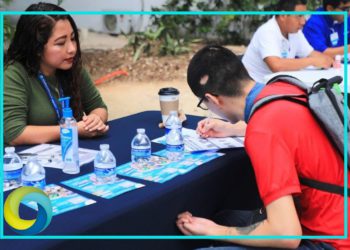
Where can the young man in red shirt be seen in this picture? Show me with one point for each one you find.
(283, 141)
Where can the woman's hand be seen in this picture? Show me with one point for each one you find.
(84, 132)
(93, 122)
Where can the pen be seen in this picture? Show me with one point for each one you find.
(27, 154)
(209, 117)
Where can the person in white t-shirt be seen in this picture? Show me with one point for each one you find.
(280, 45)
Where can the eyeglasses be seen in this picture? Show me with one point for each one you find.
(201, 105)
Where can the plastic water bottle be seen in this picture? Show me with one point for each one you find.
(105, 165)
(69, 139)
(140, 147)
(33, 174)
(173, 121)
(337, 62)
(174, 144)
(12, 168)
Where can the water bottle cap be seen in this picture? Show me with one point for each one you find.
(141, 130)
(173, 112)
(104, 146)
(9, 149)
(67, 111)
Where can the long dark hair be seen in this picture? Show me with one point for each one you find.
(27, 45)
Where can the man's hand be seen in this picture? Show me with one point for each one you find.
(322, 61)
(217, 128)
(190, 225)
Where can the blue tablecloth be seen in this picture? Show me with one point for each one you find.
(226, 182)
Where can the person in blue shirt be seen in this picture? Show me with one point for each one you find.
(325, 33)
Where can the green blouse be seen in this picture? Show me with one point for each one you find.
(26, 102)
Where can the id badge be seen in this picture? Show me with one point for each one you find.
(334, 38)
(284, 49)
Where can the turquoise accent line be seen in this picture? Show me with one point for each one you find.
(6, 13)
(175, 12)
(2, 125)
(346, 226)
(87, 237)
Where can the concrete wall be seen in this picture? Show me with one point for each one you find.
(118, 23)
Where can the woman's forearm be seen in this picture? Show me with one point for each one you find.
(37, 135)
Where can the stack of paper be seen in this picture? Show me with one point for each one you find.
(193, 142)
(49, 155)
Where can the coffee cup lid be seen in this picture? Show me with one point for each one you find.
(168, 91)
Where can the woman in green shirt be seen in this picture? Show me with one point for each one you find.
(44, 63)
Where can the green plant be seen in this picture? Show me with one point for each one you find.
(8, 29)
(158, 41)
(172, 46)
(143, 41)
(233, 29)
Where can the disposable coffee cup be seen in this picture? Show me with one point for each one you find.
(169, 100)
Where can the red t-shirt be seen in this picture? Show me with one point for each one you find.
(284, 141)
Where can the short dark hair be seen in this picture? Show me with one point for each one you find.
(289, 5)
(333, 3)
(226, 73)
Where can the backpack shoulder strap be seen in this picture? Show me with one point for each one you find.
(323, 186)
(291, 97)
(289, 79)
(271, 98)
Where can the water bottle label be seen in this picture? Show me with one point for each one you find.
(104, 172)
(167, 130)
(175, 148)
(69, 145)
(39, 184)
(141, 152)
(12, 175)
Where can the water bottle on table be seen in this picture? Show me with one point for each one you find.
(140, 147)
(33, 174)
(69, 139)
(174, 144)
(105, 165)
(12, 168)
(173, 121)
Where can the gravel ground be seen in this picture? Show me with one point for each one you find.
(138, 91)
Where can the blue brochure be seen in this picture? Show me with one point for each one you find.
(62, 199)
(160, 169)
(87, 183)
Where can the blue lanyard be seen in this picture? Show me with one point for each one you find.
(254, 92)
(48, 92)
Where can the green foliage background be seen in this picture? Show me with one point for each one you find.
(221, 29)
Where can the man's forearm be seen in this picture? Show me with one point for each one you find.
(282, 220)
(334, 51)
(260, 228)
(285, 64)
